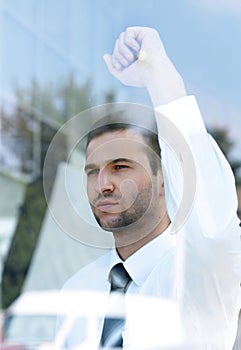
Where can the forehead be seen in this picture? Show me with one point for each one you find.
(117, 144)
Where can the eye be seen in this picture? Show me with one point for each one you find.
(120, 166)
(92, 172)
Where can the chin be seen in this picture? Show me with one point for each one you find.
(114, 225)
(111, 227)
(117, 223)
(117, 226)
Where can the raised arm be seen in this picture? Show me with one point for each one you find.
(139, 59)
(208, 240)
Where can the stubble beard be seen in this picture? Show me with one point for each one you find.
(130, 217)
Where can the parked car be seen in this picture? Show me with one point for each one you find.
(33, 319)
(46, 320)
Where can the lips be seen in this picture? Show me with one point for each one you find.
(105, 205)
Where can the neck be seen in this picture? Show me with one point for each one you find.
(125, 249)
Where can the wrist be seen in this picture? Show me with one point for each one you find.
(165, 86)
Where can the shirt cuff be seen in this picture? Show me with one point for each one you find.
(184, 113)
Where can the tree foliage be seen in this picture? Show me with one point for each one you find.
(222, 137)
(22, 121)
(31, 214)
(34, 118)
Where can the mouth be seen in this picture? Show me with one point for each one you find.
(105, 205)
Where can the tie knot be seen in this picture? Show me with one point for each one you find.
(119, 278)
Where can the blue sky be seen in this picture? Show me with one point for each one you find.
(203, 38)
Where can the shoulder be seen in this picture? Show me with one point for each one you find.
(92, 276)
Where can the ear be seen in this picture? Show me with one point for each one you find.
(160, 180)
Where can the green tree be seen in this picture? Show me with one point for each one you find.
(35, 117)
(222, 137)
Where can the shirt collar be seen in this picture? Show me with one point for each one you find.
(140, 264)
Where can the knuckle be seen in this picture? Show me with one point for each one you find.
(128, 39)
(130, 33)
(117, 55)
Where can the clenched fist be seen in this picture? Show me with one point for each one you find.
(139, 59)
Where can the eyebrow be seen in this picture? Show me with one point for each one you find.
(110, 162)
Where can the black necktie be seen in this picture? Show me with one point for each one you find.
(112, 329)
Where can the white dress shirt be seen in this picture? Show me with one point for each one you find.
(196, 262)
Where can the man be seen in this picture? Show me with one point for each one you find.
(195, 261)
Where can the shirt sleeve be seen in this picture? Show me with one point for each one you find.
(197, 175)
(202, 204)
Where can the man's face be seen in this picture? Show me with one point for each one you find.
(122, 189)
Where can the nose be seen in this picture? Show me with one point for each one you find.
(105, 182)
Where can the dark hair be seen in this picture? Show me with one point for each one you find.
(140, 119)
